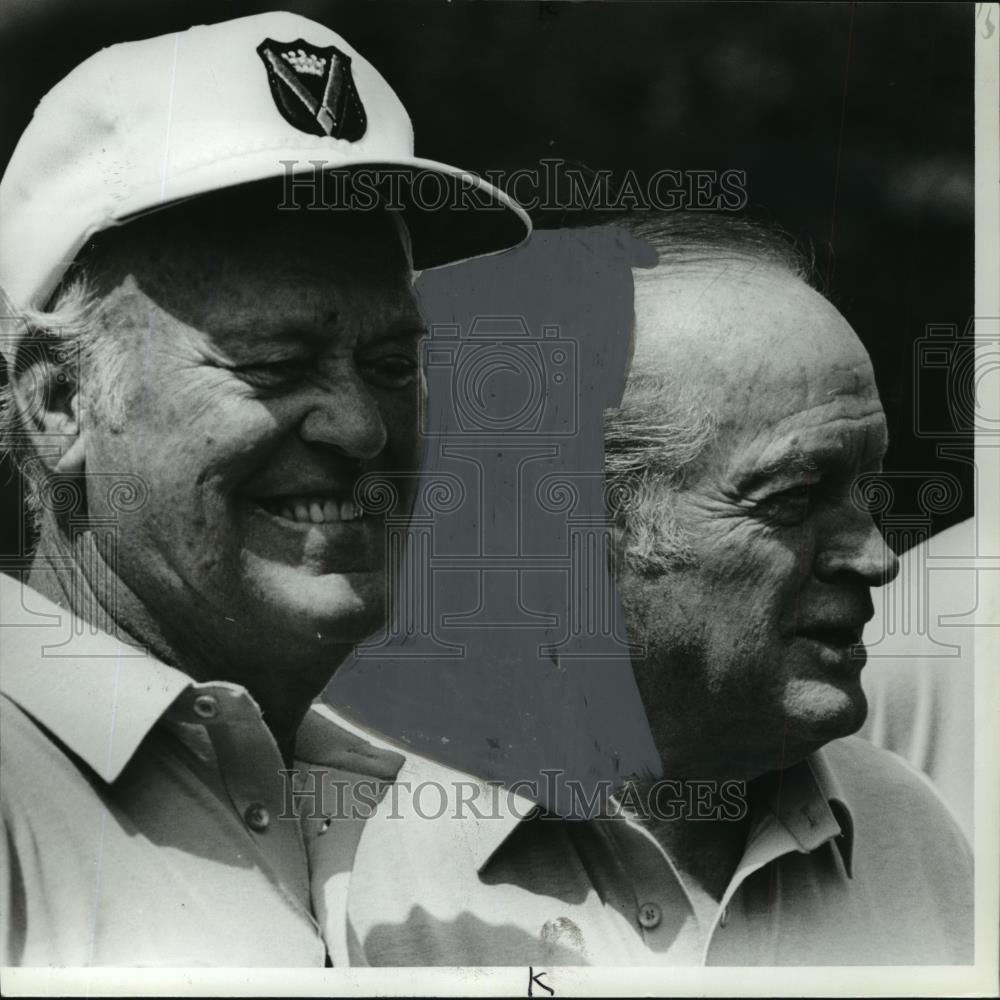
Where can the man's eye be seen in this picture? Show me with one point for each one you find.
(393, 371)
(793, 505)
(796, 494)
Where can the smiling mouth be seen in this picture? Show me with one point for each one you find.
(312, 509)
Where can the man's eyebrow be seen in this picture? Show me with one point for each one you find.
(248, 349)
(790, 463)
(251, 332)
(811, 458)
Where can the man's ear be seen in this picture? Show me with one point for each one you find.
(46, 386)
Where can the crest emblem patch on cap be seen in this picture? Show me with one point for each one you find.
(313, 88)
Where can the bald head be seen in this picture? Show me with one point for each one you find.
(727, 328)
(731, 333)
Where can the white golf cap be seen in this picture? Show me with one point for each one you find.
(142, 124)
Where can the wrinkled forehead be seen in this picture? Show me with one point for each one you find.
(738, 323)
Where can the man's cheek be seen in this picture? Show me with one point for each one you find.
(233, 448)
(735, 554)
(751, 552)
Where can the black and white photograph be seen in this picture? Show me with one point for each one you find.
(499, 498)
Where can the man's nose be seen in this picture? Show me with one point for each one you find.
(345, 415)
(856, 546)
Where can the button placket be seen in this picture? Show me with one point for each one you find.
(251, 769)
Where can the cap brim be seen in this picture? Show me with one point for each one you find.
(451, 214)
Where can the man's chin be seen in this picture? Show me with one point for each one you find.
(330, 609)
(820, 711)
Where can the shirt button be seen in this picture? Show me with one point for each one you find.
(650, 916)
(206, 707)
(257, 817)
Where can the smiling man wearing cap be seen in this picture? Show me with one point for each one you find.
(197, 383)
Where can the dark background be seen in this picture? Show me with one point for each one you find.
(853, 122)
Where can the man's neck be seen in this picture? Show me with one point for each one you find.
(704, 841)
(75, 575)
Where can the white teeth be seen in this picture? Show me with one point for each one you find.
(316, 511)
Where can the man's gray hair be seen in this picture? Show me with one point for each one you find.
(662, 426)
(681, 238)
(72, 335)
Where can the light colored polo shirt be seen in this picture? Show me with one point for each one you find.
(146, 819)
(851, 859)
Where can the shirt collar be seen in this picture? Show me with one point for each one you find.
(486, 835)
(498, 813)
(502, 810)
(831, 792)
(98, 695)
(807, 800)
(329, 738)
(349, 745)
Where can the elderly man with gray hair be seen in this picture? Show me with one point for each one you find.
(205, 358)
(744, 568)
